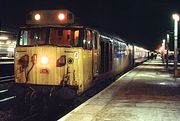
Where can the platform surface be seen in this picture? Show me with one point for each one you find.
(149, 92)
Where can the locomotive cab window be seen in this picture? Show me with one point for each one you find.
(65, 37)
(33, 37)
(87, 42)
(50, 36)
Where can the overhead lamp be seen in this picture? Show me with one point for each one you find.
(175, 17)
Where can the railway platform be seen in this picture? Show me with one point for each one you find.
(149, 92)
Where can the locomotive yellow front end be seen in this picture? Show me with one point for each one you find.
(47, 65)
(48, 57)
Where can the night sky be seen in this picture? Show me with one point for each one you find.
(143, 22)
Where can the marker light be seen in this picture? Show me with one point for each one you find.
(37, 17)
(61, 16)
(44, 60)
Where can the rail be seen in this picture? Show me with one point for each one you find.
(5, 95)
(6, 79)
(6, 98)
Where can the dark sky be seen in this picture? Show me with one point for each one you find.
(144, 22)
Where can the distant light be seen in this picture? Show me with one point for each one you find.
(162, 83)
(61, 16)
(84, 41)
(164, 40)
(37, 17)
(10, 49)
(160, 49)
(168, 36)
(8, 42)
(3, 38)
(14, 43)
(89, 42)
(36, 37)
(175, 17)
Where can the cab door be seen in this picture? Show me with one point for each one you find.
(95, 53)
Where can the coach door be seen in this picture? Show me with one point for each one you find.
(95, 51)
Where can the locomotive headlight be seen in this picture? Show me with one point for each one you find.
(37, 17)
(61, 16)
(44, 60)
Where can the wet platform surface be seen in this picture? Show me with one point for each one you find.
(147, 93)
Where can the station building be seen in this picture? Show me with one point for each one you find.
(7, 44)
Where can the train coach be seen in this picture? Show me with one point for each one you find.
(58, 59)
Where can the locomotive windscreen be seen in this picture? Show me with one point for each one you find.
(57, 36)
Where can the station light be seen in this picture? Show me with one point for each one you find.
(10, 49)
(4, 38)
(44, 60)
(8, 42)
(37, 17)
(163, 44)
(175, 17)
(61, 16)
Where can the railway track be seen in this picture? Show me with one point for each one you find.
(6, 98)
(6, 79)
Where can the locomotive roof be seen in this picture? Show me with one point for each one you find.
(109, 35)
(45, 26)
(61, 18)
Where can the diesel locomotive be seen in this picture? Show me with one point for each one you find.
(59, 59)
